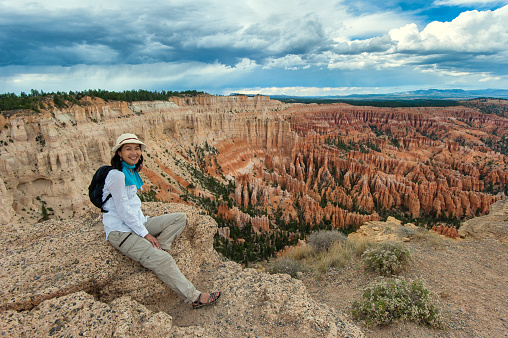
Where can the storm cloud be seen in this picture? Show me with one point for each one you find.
(218, 46)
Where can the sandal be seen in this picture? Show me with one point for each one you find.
(211, 299)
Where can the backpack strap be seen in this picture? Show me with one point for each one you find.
(104, 202)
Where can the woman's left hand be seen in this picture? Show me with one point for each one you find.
(153, 240)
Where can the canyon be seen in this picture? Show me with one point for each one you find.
(335, 164)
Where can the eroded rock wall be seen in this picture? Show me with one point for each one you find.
(423, 161)
(48, 159)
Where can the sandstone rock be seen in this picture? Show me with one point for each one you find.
(276, 153)
(259, 300)
(79, 314)
(259, 223)
(6, 200)
(446, 231)
(493, 225)
(52, 156)
(63, 278)
(239, 103)
(390, 230)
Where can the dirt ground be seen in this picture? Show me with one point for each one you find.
(470, 278)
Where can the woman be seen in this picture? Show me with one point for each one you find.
(133, 234)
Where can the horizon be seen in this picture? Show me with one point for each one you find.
(340, 48)
(466, 94)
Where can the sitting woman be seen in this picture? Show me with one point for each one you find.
(142, 238)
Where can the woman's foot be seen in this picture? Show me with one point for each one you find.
(206, 299)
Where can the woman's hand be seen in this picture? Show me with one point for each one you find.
(153, 240)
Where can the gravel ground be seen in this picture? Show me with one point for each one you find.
(469, 277)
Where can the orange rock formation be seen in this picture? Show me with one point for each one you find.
(335, 164)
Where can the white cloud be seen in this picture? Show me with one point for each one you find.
(487, 78)
(443, 72)
(245, 64)
(366, 61)
(199, 44)
(471, 31)
(467, 2)
(366, 26)
(288, 61)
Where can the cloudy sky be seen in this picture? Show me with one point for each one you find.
(292, 47)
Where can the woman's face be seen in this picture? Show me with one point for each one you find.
(130, 153)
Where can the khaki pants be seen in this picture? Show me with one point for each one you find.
(166, 228)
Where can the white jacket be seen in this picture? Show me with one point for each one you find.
(124, 207)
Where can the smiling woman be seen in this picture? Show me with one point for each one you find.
(141, 238)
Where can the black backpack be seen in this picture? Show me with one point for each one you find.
(96, 186)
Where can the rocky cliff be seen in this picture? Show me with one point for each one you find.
(63, 278)
(340, 164)
(48, 158)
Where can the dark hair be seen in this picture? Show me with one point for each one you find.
(116, 161)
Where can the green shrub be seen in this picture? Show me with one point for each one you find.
(285, 265)
(386, 301)
(386, 259)
(324, 239)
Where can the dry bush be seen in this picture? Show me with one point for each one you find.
(324, 239)
(286, 265)
(339, 251)
(299, 252)
(338, 255)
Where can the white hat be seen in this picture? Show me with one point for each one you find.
(127, 138)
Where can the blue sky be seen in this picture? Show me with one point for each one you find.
(323, 47)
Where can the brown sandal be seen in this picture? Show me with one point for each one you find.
(211, 300)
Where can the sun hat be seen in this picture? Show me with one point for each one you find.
(127, 138)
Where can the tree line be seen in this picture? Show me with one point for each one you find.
(34, 100)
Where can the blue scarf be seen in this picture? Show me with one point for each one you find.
(131, 177)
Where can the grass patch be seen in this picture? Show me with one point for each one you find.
(337, 256)
(386, 301)
(325, 250)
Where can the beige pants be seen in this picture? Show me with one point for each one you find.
(166, 228)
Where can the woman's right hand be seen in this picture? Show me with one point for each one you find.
(153, 240)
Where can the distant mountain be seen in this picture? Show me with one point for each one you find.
(424, 94)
